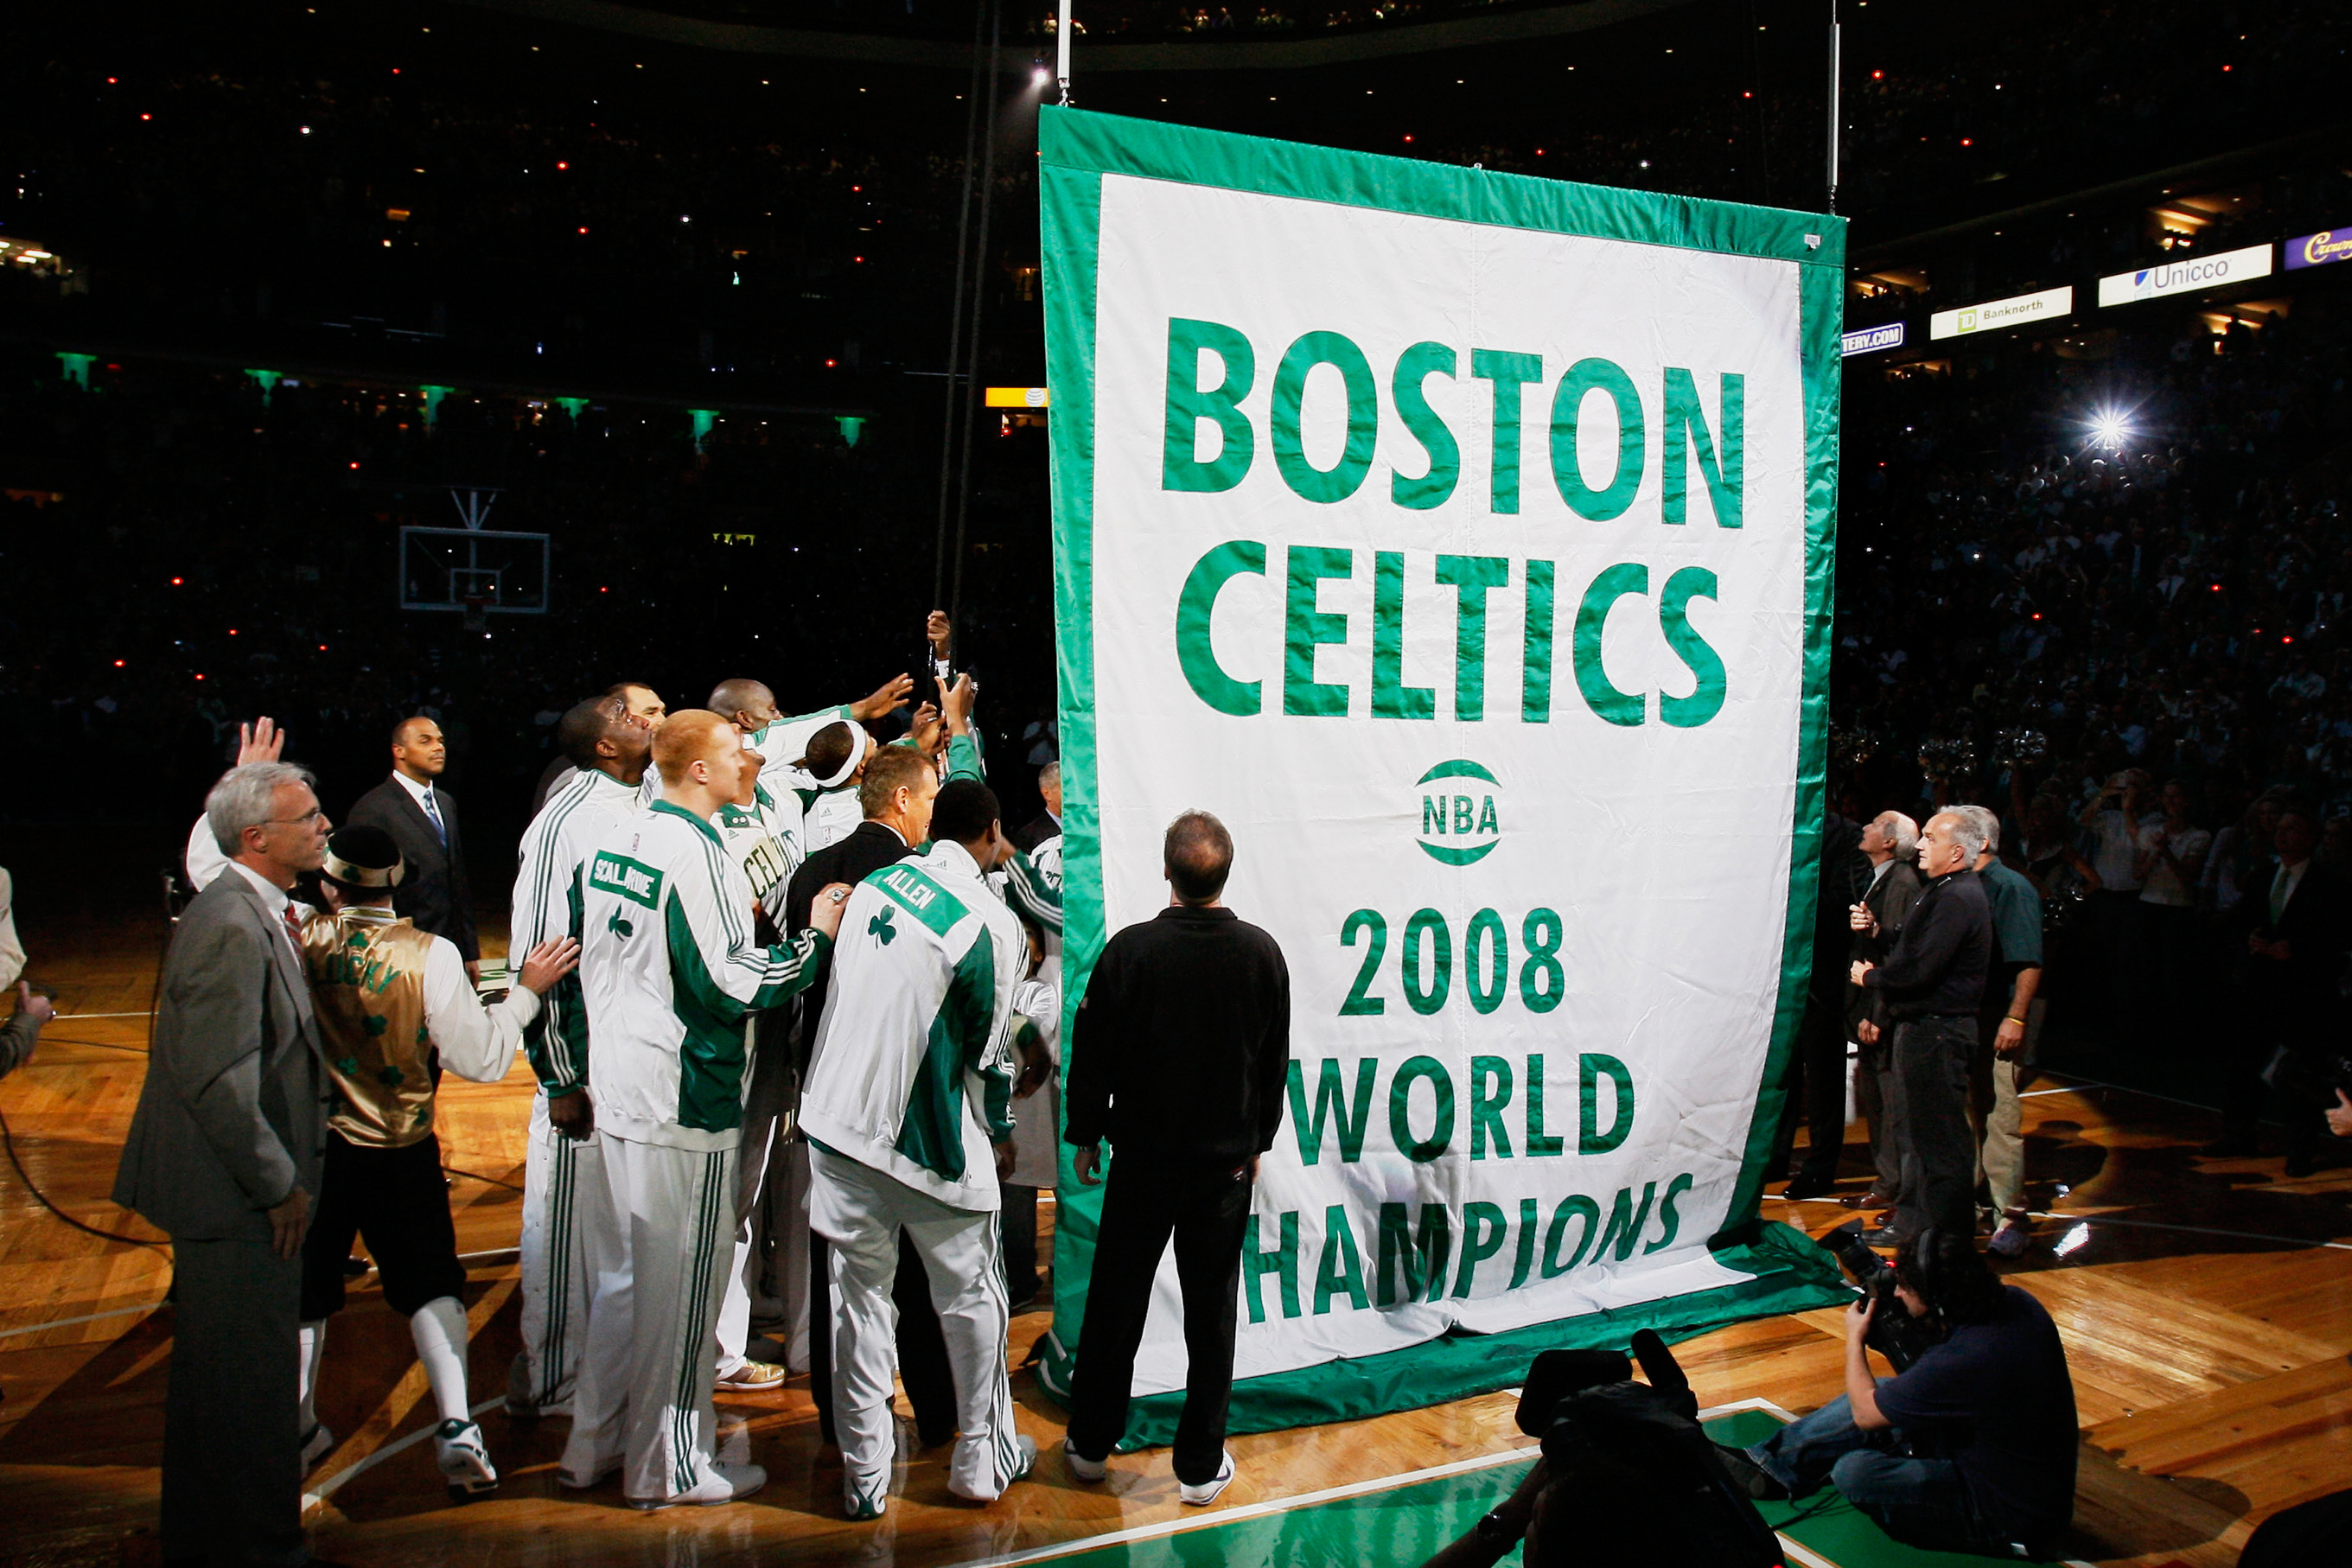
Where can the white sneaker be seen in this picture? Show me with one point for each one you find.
(567, 1477)
(1206, 1493)
(730, 1482)
(862, 1506)
(1080, 1466)
(464, 1459)
(1025, 1450)
(316, 1443)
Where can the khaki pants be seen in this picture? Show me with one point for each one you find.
(1997, 1122)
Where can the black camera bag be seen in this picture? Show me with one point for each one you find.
(1635, 1478)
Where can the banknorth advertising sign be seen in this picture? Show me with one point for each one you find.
(2186, 275)
(1871, 340)
(1462, 541)
(2017, 310)
(2318, 249)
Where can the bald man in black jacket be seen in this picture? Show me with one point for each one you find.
(1178, 1056)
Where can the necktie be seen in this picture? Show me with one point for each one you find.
(433, 810)
(2280, 888)
(294, 928)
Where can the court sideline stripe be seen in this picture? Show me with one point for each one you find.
(333, 1483)
(1304, 1500)
(2146, 1225)
(69, 1322)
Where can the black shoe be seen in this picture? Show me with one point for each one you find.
(1809, 1186)
(1883, 1236)
(2231, 1146)
(2302, 1163)
(1749, 1476)
(355, 1266)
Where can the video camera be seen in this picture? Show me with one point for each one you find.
(1633, 1467)
(1895, 1333)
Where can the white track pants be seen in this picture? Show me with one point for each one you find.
(860, 1210)
(644, 1395)
(766, 1110)
(790, 1228)
(563, 1201)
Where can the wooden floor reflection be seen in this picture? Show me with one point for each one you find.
(2207, 1309)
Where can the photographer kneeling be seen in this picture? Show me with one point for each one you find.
(1972, 1449)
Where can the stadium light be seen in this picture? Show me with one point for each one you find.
(2110, 428)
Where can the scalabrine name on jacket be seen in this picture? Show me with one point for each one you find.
(1590, 387)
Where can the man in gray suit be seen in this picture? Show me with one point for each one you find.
(223, 1155)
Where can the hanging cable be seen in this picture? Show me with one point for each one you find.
(979, 298)
(955, 317)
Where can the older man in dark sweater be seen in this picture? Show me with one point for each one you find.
(1178, 1055)
(1933, 982)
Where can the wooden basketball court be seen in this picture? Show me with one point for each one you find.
(2206, 1309)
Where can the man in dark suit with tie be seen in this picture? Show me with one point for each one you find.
(1046, 824)
(896, 796)
(1889, 840)
(1815, 1075)
(224, 1155)
(423, 822)
(2297, 920)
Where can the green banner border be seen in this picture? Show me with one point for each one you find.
(1076, 148)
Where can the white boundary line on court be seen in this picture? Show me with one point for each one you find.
(1803, 1555)
(2148, 1224)
(333, 1483)
(143, 1013)
(1307, 1500)
(69, 1322)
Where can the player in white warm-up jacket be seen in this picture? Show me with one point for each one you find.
(908, 1113)
(563, 1180)
(761, 834)
(671, 970)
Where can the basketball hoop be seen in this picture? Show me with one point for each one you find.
(477, 608)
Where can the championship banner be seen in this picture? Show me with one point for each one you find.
(1462, 541)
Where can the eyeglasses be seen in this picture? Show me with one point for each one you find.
(313, 814)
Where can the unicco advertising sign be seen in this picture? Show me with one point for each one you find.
(2186, 275)
(1462, 541)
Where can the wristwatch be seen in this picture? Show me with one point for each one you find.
(1498, 1531)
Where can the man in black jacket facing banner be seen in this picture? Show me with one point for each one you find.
(1933, 982)
(1178, 1054)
